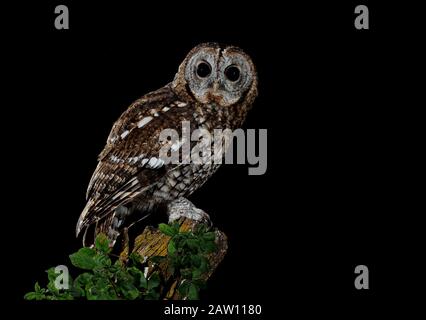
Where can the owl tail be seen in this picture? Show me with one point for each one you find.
(82, 221)
(109, 224)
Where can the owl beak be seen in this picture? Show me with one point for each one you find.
(215, 93)
(216, 86)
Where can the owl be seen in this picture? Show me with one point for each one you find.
(214, 88)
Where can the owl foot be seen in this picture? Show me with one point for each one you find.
(183, 208)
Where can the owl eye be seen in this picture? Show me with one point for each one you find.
(232, 73)
(203, 69)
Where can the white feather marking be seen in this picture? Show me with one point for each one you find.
(144, 161)
(180, 104)
(133, 160)
(124, 134)
(115, 159)
(160, 163)
(152, 161)
(165, 109)
(134, 181)
(117, 195)
(155, 163)
(144, 121)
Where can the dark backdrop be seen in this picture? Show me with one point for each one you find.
(336, 193)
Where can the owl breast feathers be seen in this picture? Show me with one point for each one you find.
(214, 88)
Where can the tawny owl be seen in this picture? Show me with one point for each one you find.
(214, 88)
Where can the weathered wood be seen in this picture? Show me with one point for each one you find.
(152, 242)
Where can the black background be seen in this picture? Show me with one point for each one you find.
(339, 105)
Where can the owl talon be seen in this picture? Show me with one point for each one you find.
(183, 208)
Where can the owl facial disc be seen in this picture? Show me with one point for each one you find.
(219, 75)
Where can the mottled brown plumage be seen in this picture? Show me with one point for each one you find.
(130, 172)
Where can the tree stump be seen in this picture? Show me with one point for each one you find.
(152, 242)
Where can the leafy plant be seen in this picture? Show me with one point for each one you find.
(187, 257)
(103, 279)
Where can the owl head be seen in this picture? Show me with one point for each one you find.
(212, 73)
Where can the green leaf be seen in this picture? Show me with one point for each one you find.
(37, 288)
(152, 295)
(193, 244)
(171, 248)
(204, 265)
(193, 292)
(176, 227)
(39, 292)
(102, 243)
(200, 229)
(52, 275)
(209, 236)
(183, 288)
(80, 283)
(100, 289)
(196, 273)
(166, 229)
(118, 265)
(143, 283)
(30, 296)
(52, 288)
(208, 246)
(65, 296)
(77, 291)
(139, 277)
(102, 260)
(185, 260)
(186, 273)
(154, 281)
(196, 260)
(84, 279)
(101, 293)
(83, 258)
(135, 258)
(129, 291)
(157, 259)
(200, 283)
(40, 296)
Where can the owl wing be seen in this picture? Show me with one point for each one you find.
(129, 164)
